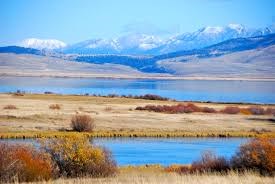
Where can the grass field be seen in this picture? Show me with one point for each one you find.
(155, 176)
(116, 116)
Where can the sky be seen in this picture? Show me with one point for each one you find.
(72, 21)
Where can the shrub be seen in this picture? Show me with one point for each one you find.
(18, 94)
(231, 110)
(245, 111)
(55, 106)
(48, 92)
(258, 155)
(256, 110)
(112, 95)
(76, 157)
(151, 97)
(193, 107)
(24, 163)
(179, 108)
(270, 111)
(10, 107)
(139, 108)
(82, 123)
(208, 110)
(209, 162)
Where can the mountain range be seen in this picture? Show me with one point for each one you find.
(240, 53)
(143, 44)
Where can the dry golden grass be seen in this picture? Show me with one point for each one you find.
(171, 178)
(33, 114)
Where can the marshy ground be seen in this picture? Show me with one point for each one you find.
(33, 112)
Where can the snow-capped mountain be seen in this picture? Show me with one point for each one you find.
(143, 44)
(127, 44)
(208, 36)
(94, 46)
(41, 44)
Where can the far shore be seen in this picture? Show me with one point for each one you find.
(152, 76)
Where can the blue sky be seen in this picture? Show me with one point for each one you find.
(77, 20)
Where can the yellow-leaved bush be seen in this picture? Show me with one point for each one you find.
(75, 156)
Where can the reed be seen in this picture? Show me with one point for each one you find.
(125, 133)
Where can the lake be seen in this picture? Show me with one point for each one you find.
(164, 151)
(189, 90)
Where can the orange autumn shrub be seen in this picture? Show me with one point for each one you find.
(245, 111)
(258, 155)
(76, 157)
(24, 164)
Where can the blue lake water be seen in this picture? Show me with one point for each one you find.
(191, 90)
(164, 151)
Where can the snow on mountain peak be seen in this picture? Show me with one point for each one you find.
(49, 44)
(237, 27)
(99, 43)
(213, 30)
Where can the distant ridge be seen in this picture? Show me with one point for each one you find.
(19, 50)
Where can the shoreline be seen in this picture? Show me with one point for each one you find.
(118, 76)
(120, 96)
